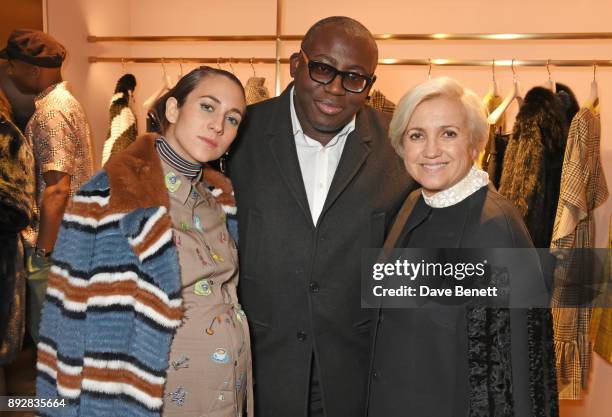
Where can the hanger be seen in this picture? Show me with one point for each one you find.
(514, 94)
(493, 87)
(593, 99)
(167, 80)
(229, 61)
(253, 68)
(166, 85)
(550, 84)
(123, 66)
(218, 63)
(180, 74)
(429, 71)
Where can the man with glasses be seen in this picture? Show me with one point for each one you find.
(316, 181)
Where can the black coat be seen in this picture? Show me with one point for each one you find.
(445, 361)
(533, 160)
(300, 284)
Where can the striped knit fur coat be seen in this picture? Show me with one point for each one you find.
(113, 301)
(122, 130)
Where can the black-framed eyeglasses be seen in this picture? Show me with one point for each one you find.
(323, 73)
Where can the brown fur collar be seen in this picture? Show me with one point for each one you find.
(136, 177)
(221, 187)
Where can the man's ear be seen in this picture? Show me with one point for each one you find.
(294, 64)
(367, 90)
(172, 110)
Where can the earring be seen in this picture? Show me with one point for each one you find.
(222, 162)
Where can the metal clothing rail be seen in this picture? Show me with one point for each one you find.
(187, 60)
(384, 61)
(498, 63)
(379, 37)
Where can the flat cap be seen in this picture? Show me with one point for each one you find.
(34, 47)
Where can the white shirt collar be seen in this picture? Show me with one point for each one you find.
(472, 182)
(297, 127)
(52, 89)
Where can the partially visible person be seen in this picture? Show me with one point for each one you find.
(58, 132)
(16, 209)
(456, 361)
(22, 105)
(142, 316)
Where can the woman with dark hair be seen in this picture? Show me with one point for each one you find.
(141, 316)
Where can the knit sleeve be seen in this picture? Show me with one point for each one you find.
(62, 329)
(122, 131)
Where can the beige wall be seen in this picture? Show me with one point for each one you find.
(20, 14)
(93, 84)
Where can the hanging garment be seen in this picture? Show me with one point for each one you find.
(153, 125)
(491, 102)
(16, 209)
(495, 158)
(601, 326)
(255, 90)
(531, 172)
(123, 130)
(583, 189)
(5, 107)
(378, 101)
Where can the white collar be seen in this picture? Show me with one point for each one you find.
(297, 127)
(52, 89)
(472, 182)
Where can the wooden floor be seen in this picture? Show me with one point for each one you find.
(19, 378)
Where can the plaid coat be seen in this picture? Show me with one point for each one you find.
(583, 189)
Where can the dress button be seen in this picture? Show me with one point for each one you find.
(301, 336)
(314, 287)
(374, 375)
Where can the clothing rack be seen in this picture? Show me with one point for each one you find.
(187, 60)
(438, 62)
(384, 61)
(378, 37)
(278, 38)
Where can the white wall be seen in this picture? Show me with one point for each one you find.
(72, 20)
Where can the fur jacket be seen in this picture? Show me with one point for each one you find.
(531, 174)
(114, 299)
(16, 207)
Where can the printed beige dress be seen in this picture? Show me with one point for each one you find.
(210, 357)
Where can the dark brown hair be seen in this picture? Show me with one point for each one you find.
(183, 87)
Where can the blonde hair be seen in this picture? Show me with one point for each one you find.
(440, 87)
